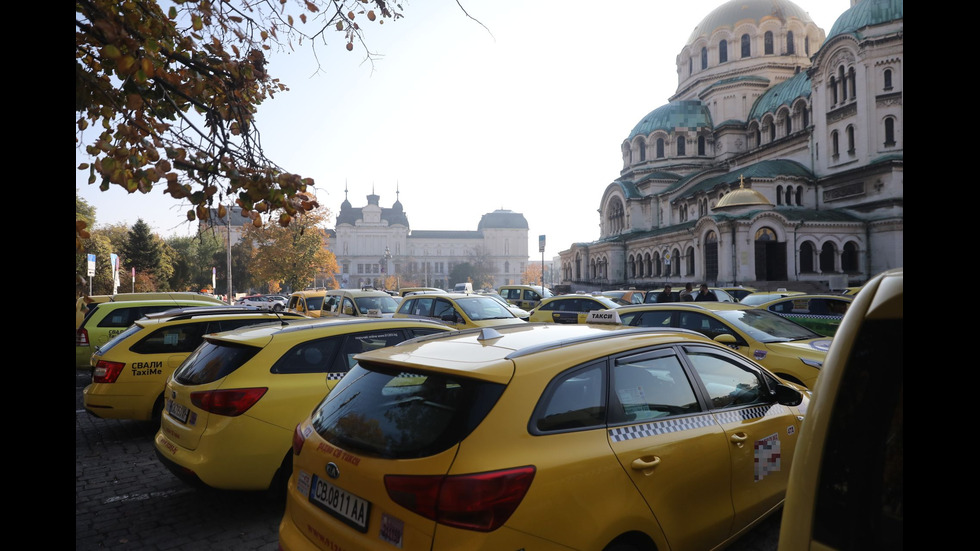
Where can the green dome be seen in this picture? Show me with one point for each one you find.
(689, 114)
(730, 13)
(867, 13)
(784, 93)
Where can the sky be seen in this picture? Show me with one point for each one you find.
(455, 119)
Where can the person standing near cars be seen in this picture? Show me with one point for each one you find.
(686, 293)
(705, 295)
(665, 295)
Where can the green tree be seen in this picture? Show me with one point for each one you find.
(143, 251)
(193, 258)
(171, 94)
(290, 255)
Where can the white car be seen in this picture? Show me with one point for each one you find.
(268, 302)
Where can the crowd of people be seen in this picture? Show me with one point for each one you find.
(687, 295)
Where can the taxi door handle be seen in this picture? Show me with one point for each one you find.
(739, 439)
(640, 464)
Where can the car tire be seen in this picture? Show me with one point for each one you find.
(157, 412)
(280, 480)
(277, 308)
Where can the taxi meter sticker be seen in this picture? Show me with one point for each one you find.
(766, 456)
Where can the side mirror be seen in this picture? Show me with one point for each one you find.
(788, 396)
(726, 339)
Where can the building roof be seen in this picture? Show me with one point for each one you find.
(731, 13)
(689, 114)
(764, 169)
(502, 219)
(867, 13)
(784, 93)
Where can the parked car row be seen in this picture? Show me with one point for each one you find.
(449, 422)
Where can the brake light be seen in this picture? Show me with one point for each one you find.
(81, 337)
(482, 502)
(232, 402)
(298, 439)
(107, 372)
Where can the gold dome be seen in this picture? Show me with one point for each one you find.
(742, 197)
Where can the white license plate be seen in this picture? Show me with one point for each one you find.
(177, 411)
(339, 503)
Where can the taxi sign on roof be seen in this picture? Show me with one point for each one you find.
(603, 316)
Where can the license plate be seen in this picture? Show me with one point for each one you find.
(177, 411)
(344, 505)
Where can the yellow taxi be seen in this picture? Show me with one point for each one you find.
(524, 296)
(409, 290)
(573, 308)
(846, 488)
(84, 303)
(230, 408)
(358, 302)
(309, 302)
(457, 310)
(130, 371)
(545, 437)
(822, 313)
(105, 320)
(739, 292)
(785, 348)
(758, 297)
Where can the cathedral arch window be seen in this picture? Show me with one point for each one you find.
(850, 139)
(806, 45)
(779, 195)
(772, 131)
(806, 257)
(799, 196)
(806, 117)
(852, 82)
(833, 90)
(615, 216)
(704, 58)
(887, 75)
(790, 47)
(641, 145)
(842, 81)
(680, 146)
(723, 51)
(827, 256)
(889, 131)
(701, 147)
(849, 258)
(746, 45)
(632, 266)
(789, 124)
(649, 262)
(675, 265)
(656, 264)
(689, 261)
(660, 148)
(835, 144)
(767, 41)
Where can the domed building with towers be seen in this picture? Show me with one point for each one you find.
(778, 160)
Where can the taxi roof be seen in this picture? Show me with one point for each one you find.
(490, 353)
(259, 335)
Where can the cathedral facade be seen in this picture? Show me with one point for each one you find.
(777, 161)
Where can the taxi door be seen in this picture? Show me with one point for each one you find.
(761, 433)
(673, 451)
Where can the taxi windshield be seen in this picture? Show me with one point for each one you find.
(314, 303)
(764, 326)
(386, 304)
(483, 308)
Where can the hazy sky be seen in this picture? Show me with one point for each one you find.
(526, 115)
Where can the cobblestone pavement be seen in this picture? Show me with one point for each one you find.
(126, 500)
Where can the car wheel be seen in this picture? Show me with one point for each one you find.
(277, 308)
(280, 480)
(157, 410)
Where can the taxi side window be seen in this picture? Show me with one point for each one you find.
(531, 295)
(170, 340)
(348, 307)
(315, 356)
(365, 342)
(650, 319)
(572, 401)
(728, 382)
(330, 305)
(443, 308)
(703, 324)
(650, 386)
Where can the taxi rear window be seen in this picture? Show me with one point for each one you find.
(395, 414)
(213, 361)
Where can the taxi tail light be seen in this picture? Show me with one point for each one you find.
(81, 337)
(298, 439)
(231, 402)
(482, 502)
(107, 372)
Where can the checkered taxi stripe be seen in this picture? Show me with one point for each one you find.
(336, 376)
(621, 434)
